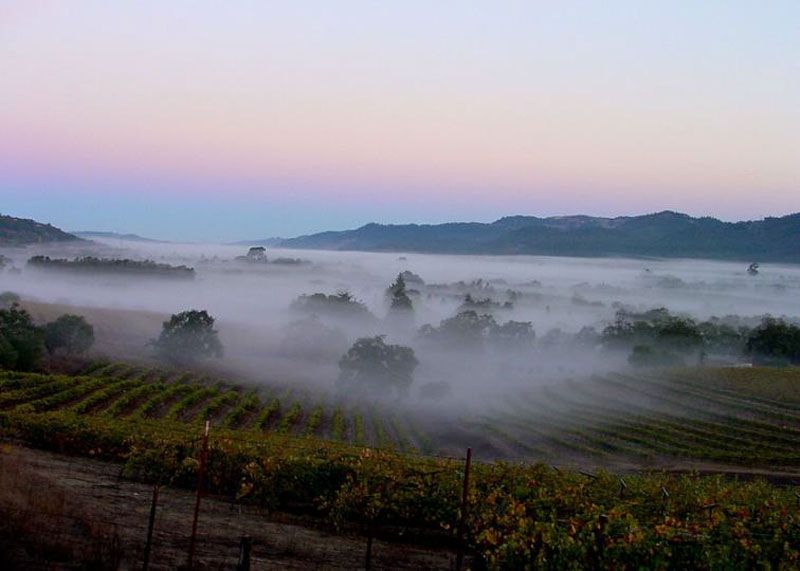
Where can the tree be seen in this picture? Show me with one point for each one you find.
(257, 254)
(467, 330)
(775, 342)
(372, 366)
(21, 342)
(513, 335)
(679, 334)
(341, 305)
(187, 336)
(657, 328)
(70, 334)
(399, 296)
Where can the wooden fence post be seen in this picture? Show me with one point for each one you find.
(150, 526)
(462, 520)
(368, 556)
(201, 474)
(244, 554)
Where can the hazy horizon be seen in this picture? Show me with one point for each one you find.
(121, 233)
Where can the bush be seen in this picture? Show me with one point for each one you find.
(21, 342)
(775, 342)
(70, 334)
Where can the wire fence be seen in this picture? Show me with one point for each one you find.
(111, 521)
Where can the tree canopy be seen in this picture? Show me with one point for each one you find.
(775, 342)
(21, 341)
(374, 367)
(398, 295)
(70, 334)
(187, 336)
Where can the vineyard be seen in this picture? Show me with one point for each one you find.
(291, 454)
(730, 418)
(121, 391)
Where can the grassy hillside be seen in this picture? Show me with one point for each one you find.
(21, 231)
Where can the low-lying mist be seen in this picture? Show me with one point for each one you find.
(274, 336)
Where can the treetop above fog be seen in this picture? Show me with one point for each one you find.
(187, 336)
(112, 265)
(374, 367)
(341, 304)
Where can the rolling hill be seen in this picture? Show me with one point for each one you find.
(22, 231)
(91, 235)
(663, 234)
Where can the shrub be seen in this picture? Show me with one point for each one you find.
(70, 334)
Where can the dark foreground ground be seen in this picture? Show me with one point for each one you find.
(62, 512)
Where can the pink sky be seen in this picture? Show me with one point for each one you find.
(460, 110)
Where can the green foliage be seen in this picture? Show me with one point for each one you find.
(340, 305)
(775, 342)
(70, 334)
(519, 516)
(8, 298)
(513, 335)
(371, 366)
(724, 338)
(21, 342)
(117, 266)
(467, 330)
(187, 336)
(398, 296)
(657, 328)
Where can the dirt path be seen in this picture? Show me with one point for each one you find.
(56, 508)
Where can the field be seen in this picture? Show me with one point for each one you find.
(732, 417)
(728, 419)
(292, 454)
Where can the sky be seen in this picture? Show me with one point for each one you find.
(219, 121)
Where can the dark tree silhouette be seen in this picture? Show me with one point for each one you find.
(775, 342)
(70, 334)
(21, 342)
(399, 296)
(187, 336)
(371, 366)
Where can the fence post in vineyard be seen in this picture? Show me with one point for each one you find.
(244, 554)
(462, 520)
(150, 525)
(368, 556)
(201, 474)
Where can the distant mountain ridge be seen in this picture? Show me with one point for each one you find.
(89, 234)
(665, 234)
(23, 231)
(268, 242)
